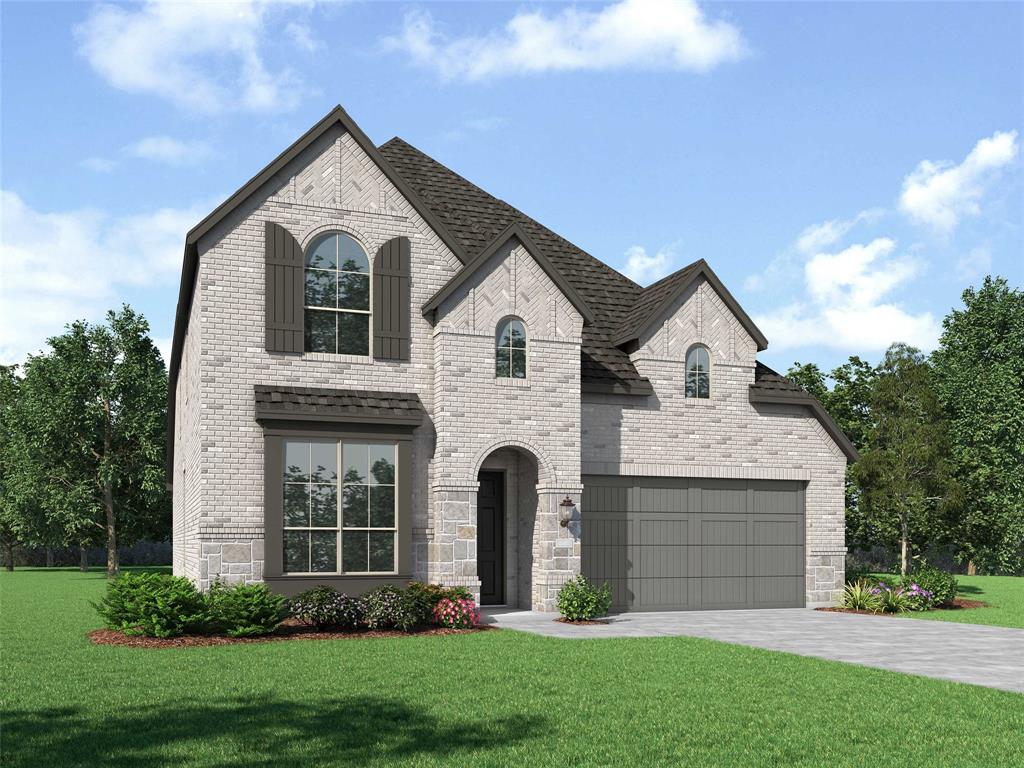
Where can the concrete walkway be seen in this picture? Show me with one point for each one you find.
(964, 653)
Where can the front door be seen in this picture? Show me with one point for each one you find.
(490, 537)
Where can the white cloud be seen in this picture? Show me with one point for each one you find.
(56, 267)
(302, 36)
(98, 164)
(939, 194)
(828, 233)
(168, 150)
(976, 263)
(474, 125)
(847, 304)
(202, 56)
(644, 268)
(631, 34)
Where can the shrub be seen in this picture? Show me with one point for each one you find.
(435, 593)
(942, 586)
(456, 614)
(245, 610)
(153, 604)
(893, 599)
(579, 600)
(324, 607)
(383, 607)
(862, 596)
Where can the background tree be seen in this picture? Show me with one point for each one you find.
(89, 431)
(8, 511)
(979, 377)
(903, 475)
(848, 401)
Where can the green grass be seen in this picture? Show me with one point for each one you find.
(1004, 595)
(488, 699)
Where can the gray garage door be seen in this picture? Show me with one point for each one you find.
(687, 543)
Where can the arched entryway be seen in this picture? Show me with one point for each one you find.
(506, 508)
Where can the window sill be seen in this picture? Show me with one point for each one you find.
(509, 382)
(328, 357)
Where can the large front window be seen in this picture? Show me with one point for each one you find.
(337, 300)
(339, 521)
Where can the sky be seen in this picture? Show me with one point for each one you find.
(846, 169)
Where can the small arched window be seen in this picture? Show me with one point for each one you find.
(510, 354)
(698, 372)
(337, 304)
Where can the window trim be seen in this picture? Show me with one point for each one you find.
(686, 371)
(314, 240)
(274, 436)
(526, 350)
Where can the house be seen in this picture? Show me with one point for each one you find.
(381, 372)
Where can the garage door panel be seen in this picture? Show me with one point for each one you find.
(690, 543)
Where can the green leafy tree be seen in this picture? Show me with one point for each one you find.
(848, 402)
(89, 431)
(9, 514)
(903, 476)
(979, 377)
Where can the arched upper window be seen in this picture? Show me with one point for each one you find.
(698, 372)
(337, 314)
(510, 354)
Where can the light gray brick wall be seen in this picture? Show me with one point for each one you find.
(725, 436)
(223, 502)
(476, 414)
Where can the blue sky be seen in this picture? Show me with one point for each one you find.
(847, 169)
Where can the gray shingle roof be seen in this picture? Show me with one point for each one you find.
(652, 297)
(474, 218)
(770, 381)
(305, 403)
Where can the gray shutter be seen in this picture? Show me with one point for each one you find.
(284, 290)
(391, 300)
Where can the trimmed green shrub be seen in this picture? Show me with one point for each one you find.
(579, 600)
(154, 605)
(456, 614)
(942, 586)
(324, 607)
(245, 610)
(435, 593)
(383, 607)
(862, 596)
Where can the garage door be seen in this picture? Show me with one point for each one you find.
(691, 544)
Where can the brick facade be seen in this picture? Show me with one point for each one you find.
(541, 431)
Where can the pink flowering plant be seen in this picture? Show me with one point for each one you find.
(460, 613)
(896, 599)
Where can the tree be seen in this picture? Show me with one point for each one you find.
(8, 511)
(979, 377)
(89, 432)
(903, 476)
(848, 402)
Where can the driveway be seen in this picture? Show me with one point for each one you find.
(964, 653)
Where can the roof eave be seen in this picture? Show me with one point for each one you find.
(777, 397)
(701, 268)
(512, 231)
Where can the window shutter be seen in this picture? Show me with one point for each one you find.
(284, 290)
(391, 300)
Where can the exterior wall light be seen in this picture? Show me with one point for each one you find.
(565, 508)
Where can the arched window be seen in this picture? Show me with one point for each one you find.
(337, 318)
(510, 354)
(698, 372)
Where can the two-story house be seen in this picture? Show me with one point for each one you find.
(380, 372)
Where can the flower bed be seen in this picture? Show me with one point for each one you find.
(163, 611)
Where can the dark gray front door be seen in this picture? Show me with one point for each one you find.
(689, 543)
(490, 537)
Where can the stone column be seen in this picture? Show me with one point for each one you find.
(452, 545)
(556, 549)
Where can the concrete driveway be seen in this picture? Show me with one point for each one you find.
(964, 653)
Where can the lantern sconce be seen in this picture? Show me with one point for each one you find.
(565, 509)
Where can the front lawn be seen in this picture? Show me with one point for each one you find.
(1004, 595)
(488, 699)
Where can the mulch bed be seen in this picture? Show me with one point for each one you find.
(290, 630)
(582, 623)
(959, 604)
